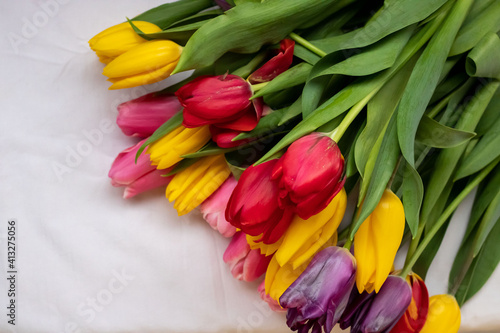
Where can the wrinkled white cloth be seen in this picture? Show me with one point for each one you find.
(88, 260)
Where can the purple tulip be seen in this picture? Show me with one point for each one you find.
(320, 294)
(223, 4)
(142, 116)
(377, 312)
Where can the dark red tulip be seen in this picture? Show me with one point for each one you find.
(276, 65)
(310, 174)
(223, 137)
(222, 99)
(253, 207)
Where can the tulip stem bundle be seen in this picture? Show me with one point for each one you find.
(290, 105)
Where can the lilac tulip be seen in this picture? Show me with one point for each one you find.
(377, 312)
(214, 208)
(142, 116)
(246, 264)
(320, 294)
(136, 177)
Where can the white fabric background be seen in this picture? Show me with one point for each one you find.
(145, 269)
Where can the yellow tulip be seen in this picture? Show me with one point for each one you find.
(303, 238)
(377, 241)
(193, 185)
(146, 63)
(443, 316)
(167, 151)
(118, 39)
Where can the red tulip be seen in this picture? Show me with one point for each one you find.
(222, 99)
(246, 264)
(253, 206)
(310, 174)
(223, 137)
(276, 65)
(415, 316)
(142, 116)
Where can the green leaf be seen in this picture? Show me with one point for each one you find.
(482, 267)
(485, 194)
(483, 153)
(384, 167)
(413, 194)
(308, 56)
(379, 112)
(248, 26)
(434, 134)
(178, 34)
(374, 58)
(163, 130)
(490, 115)
(169, 13)
(425, 78)
(292, 77)
(449, 157)
(490, 217)
(394, 16)
(482, 61)
(474, 30)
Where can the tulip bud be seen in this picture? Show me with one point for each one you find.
(224, 137)
(275, 66)
(223, 4)
(136, 177)
(145, 63)
(414, 318)
(444, 315)
(253, 206)
(246, 264)
(142, 116)
(304, 238)
(310, 174)
(214, 208)
(377, 312)
(222, 99)
(320, 294)
(118, 39)
(377, 241)
(193, 185)
(167, 151)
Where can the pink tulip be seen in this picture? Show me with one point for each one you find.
(246, 264)
(136, 177)
(213, 209)
(142, 116)
(276, 65)
(273, 304)
(310, 174)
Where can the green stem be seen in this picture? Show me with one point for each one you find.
(348, 244)
(258, 86)
(446, 214)
(307, 44)
(337, 133)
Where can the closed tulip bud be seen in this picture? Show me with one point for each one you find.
(224, 137)
(246, 264)
(444, 315)
(145, 63)
(414, 318)
(304, 238)
(214, 208)
(377, 312)
(135, 177)
(253, 206)
(120, 38)
(377, 241)
(223, 4)
(320, 294)
(142, 116)
(222, 100)
(167, 151)
(310, 174)
(276, 65)
(193, 185)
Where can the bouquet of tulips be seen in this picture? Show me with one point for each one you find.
(295, 104)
